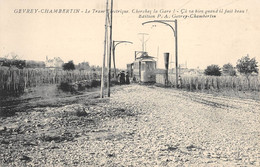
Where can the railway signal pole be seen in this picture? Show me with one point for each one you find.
(176, 40)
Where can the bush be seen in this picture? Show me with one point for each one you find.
(78, 86)
(69, 66)
(213, 70)
(228, 69)
(68, 87)
(95, 83)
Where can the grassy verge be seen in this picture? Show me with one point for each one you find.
(254, 95)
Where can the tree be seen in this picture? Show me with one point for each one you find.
(13, 63)
(68, 66)
(228, 69)
(213, 70)
(12, 55)
(247, 66)
(83, 66)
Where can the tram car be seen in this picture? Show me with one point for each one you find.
(142, 69)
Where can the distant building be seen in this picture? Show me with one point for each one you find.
(56, 62)
(193, 72)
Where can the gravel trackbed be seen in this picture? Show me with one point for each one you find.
(138, 126)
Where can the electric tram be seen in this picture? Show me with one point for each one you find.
(143, 68)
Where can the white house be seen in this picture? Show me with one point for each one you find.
(56, 62)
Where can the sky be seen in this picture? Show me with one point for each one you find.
(225, 38)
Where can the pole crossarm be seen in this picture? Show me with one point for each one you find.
(163, 22)
(115, 43)
(119, 42)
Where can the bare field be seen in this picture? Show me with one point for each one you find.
(138, 126)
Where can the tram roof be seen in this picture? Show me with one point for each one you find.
(147, 60)
(145, 56)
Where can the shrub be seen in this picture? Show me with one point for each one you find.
(69, 66)
(95, 83)
(228, 69)
(67, 87)
(213, 70)
(78, 86)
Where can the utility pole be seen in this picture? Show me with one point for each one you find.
(109, 51)
(114, 60)
(104, 56)
(157, 54)
(143, 41)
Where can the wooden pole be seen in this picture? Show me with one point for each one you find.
(104, 56)
(114, 60)
(176, 54)
(109, 52)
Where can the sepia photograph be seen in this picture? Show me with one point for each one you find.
(120, 83)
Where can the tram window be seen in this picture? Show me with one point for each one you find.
(150, 66)
(153, 66)
(143, 65)
(136, 65)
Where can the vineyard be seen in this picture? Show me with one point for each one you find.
(239, 83)
(13, 80)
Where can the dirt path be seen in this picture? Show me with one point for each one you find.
(138, 126)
